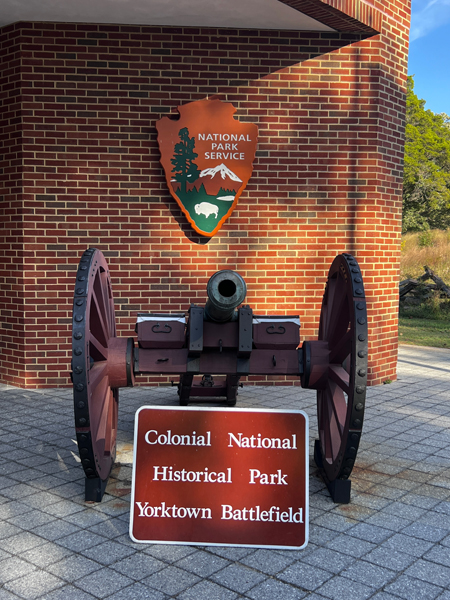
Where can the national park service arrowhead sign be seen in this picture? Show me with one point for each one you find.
(208, 159)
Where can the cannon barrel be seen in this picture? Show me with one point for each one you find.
(226, 291)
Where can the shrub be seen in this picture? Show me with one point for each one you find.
(425, 239)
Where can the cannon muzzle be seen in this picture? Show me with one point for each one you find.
(226, 291)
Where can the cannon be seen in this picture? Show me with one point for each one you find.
(210, 348)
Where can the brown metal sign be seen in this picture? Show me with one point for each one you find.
(207, 156)
(214, 476)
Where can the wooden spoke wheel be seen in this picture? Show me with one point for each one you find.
(101, 363)
(336, 366)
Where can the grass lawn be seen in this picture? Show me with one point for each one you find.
(427, 324)
(424, 332)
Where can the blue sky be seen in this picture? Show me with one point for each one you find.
(429, 53)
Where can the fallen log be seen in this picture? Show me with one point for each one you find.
(406, 286)
(441, 286)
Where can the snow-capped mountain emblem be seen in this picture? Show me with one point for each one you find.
(207, 157)
(223, 170)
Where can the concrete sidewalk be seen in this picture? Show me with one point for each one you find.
(391, 541)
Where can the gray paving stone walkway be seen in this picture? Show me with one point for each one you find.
(391, 541)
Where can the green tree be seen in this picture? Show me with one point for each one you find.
(426, 181)
(184, 168)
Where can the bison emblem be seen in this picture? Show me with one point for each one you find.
(205, 208)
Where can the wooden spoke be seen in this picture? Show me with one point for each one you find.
(342, 349)
(338, 407)
(97, 350)
(339, 320)
(340, 376)
(103, 420)
(109, 430)
(98, 394)
(99, 326)
(97, 373)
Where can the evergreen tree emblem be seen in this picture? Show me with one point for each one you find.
(184, 168)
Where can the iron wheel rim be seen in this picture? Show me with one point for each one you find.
(340, 405)
(95, 402)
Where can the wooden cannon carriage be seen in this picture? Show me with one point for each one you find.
(222, 340)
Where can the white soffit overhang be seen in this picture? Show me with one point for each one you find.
(242, 14)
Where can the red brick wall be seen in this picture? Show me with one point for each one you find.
(12, 251)
(327, 176)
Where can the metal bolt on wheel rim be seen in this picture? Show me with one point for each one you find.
(95, 402)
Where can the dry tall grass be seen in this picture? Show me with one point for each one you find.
(430, 248)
